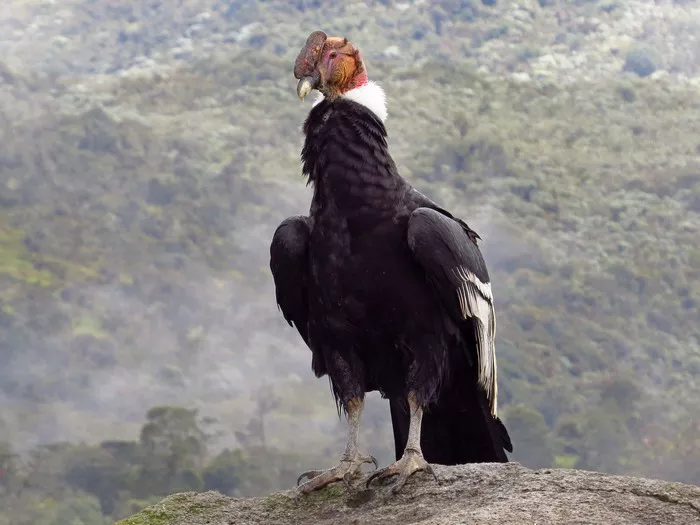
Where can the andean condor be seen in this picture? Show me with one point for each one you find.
(388, 290)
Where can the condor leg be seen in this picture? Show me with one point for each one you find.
(350, 462)
(412, 459)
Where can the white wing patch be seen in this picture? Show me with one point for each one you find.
(476, 300)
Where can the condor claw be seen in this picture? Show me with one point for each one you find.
(371, 459)
(410, 463)
(348, 468)
(309, 474)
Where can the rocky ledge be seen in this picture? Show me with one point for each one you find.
(480, 494)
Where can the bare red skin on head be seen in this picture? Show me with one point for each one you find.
(360, 79)
(334, 61)
(341, 67)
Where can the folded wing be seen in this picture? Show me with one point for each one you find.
(447, 250)
(289, 265)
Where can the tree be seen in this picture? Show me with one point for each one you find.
(101, 472)
(265, 402)
(9, 469)
(174, 448)
(78, 508)
(529, 431)
(174, 433)
(223, 472)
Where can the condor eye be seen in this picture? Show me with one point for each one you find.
(333, 54)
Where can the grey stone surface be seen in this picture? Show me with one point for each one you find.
(472, 494)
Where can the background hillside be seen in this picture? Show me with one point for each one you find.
(149, 149)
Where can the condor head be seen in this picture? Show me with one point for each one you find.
(331, 65)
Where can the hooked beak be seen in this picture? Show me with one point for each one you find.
(304, 87)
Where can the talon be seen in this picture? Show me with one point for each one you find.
(301, 476)
(410, 463)
(368, 459)
(350, 462)
(398, 486)
(309, 474)
(375, 475)
(371, 459)
(431, 471)
(344, 471)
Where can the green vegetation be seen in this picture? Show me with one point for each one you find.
(140, 184)
(93, 484)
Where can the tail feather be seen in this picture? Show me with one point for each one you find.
(503, 433)
(454, 432)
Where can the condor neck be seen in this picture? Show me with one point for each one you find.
(346, 159)
(366, 93)
(345, 154)
(357, 82)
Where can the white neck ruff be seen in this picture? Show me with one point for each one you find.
(370, 95)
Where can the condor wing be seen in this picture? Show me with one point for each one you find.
(289, 265)
(446, 248)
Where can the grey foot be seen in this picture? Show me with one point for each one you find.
(344, 471)
(411, 462)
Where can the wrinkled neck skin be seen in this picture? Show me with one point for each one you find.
(358, 81)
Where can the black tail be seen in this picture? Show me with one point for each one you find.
(458, 430)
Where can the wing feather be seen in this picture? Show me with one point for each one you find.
(447, 250)
(289, 263)
(476, 301)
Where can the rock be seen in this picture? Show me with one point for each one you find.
(619, 45)
(203, 16)
(521, 15)
(503, 494)
(248, 31)
(60, 40)
(659, 74)
(547, 61)
(392, 52)
(521, 77)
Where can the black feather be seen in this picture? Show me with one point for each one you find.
(377, 311)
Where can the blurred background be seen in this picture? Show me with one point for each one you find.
(149, 148)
